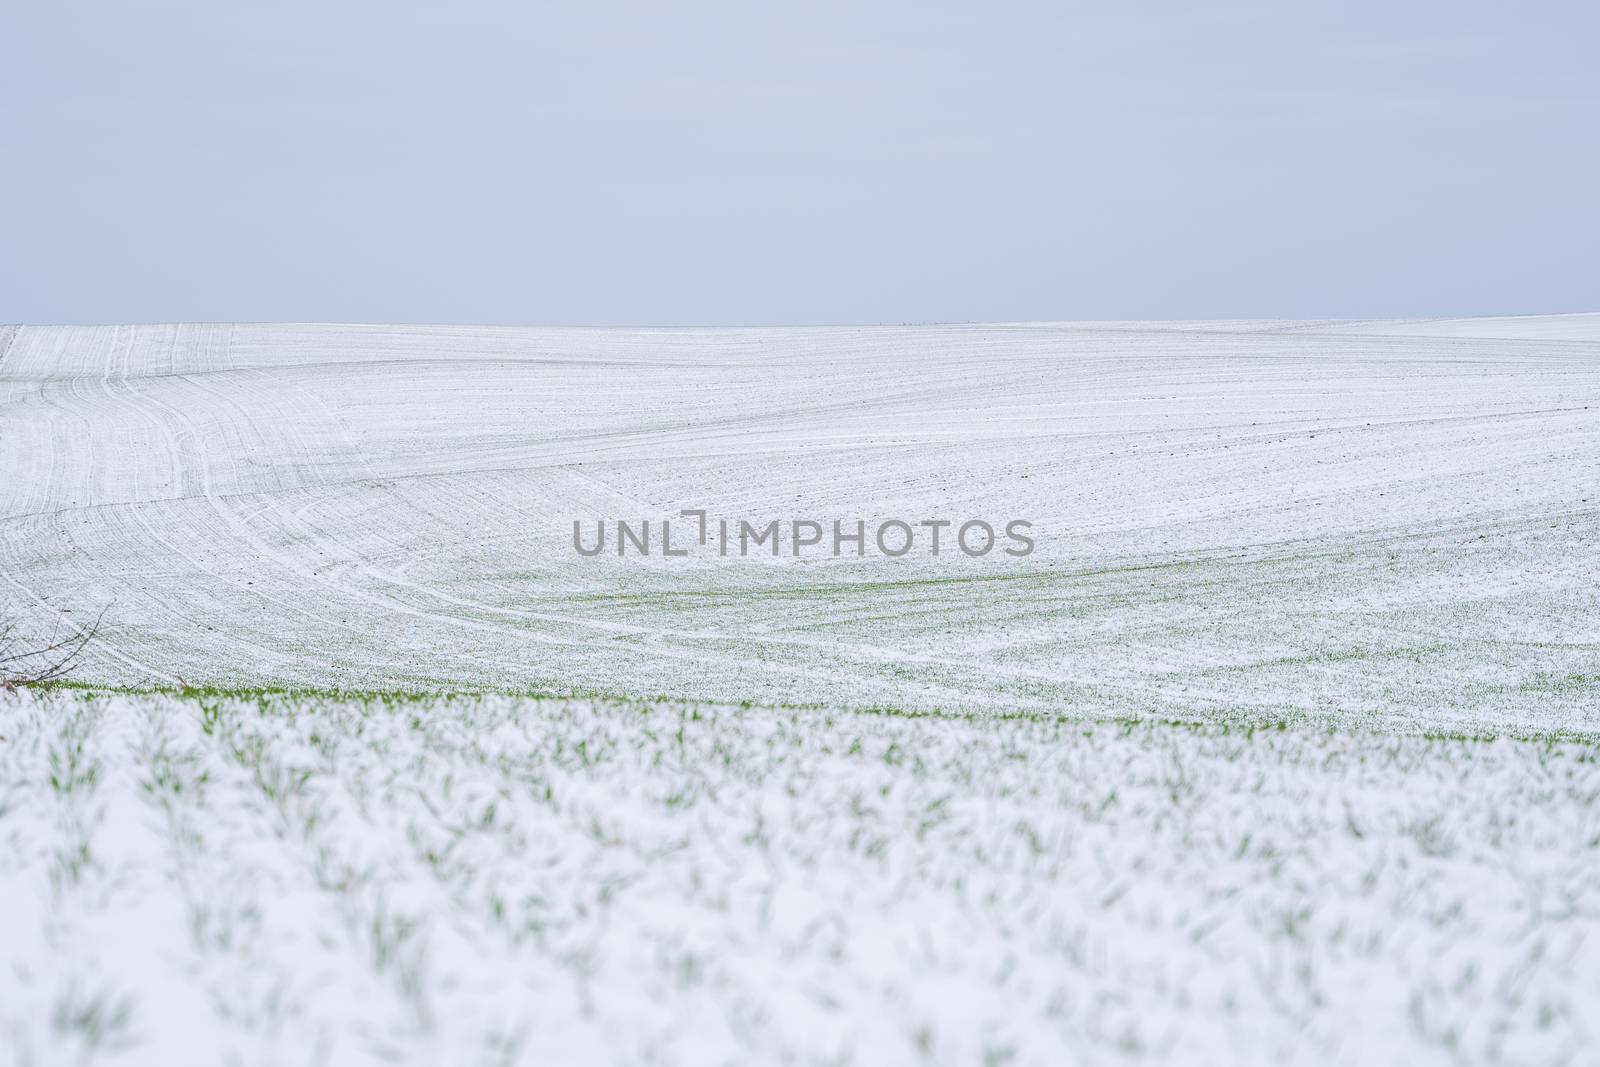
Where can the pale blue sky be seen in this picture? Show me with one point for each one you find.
(597, 162)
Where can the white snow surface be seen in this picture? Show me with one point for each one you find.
(1391, 520)
(509, 881)
(1282, 747)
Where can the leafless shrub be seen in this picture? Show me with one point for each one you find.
(25, 661)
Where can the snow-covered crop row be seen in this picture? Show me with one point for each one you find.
(207, 880)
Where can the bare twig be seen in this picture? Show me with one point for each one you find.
(24, 663)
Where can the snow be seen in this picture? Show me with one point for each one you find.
(511, 880)
(1281, 747)
(1293, 518)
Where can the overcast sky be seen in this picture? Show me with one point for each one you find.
(667, 163)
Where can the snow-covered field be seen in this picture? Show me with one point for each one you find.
(563, 882)
(1281, 746)
(1385, 520)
